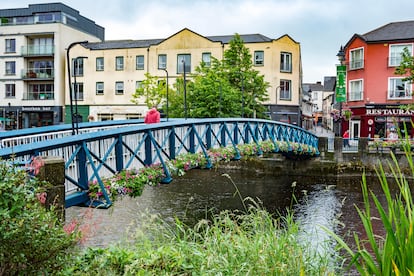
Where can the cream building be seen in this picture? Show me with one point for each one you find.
(32, 61)
(110, 71)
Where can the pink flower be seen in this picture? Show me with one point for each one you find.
(41, 197)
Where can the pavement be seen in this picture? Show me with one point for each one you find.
(322, 132)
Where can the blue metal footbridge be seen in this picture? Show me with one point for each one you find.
(103, 149)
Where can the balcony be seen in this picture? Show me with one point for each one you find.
(37, 96)
(38, 74)
(38, 51)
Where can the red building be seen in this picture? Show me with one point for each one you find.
(374, 92)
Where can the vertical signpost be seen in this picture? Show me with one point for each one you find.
(340, 92)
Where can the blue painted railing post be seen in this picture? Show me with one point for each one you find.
(82, 168)
(119, 154)
(246, 133)
(192, 139)
(148, 149)
(171, 142)
(208, 136)
(223, 135)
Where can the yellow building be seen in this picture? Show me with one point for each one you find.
(32, 61)
(110, 71)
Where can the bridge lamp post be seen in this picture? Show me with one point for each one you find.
(220, 97)
(68, 61)
(277, 87)
(76, 88)
(166, 83)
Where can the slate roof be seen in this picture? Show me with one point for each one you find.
(125, 44)
(309, 87)
(329, 83)
(395, 31)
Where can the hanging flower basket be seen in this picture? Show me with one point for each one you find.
(347, 114)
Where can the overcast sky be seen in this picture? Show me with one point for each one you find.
(320, 26)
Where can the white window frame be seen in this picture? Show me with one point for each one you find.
(100, 63)
(286, 62)
(10, 90)
(180, 59)
(10, 67)
(356, 90)
(10, 45)
(258, 58)
(119, 88)
(162, 61)
(139, 62)
(356, 58)
(285, 93)
(207, 59)
(119, 60)
(100, 88)
(404, 93)
(395, 51)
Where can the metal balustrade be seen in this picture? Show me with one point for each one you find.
(102, 150)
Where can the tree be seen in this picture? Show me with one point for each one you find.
(242, 76)
(152, 90)
(406, 68)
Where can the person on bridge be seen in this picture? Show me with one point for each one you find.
(346, 138)
(153, 116)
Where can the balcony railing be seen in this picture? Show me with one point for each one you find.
(37, 96)
(38, 50)
(38, 74)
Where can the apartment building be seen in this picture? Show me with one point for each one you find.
(374, 92)
(110, 71)
(34, 42)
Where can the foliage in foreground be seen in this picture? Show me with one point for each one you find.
(248, 243)
(32, 239)
(392, 253)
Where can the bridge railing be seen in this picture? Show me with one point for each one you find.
(99, 154)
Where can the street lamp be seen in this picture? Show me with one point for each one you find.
(75, 84)
(340, 85)
(70, 82)
(166, 72)
(277, 87)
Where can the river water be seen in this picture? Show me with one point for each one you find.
(200, 193)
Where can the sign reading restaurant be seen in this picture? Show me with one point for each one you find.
(389, 112)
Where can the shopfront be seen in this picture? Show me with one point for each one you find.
(38, 116)
(382, 121)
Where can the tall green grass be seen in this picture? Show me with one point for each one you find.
(392, 254)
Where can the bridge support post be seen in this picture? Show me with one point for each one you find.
(338, 144)
(323, 146)
(53, 172)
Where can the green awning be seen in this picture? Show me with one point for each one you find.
(2, 119)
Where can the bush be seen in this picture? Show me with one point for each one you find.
(32, 239)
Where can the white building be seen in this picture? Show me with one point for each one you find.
(32, 61)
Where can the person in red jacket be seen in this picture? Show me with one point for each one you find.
(153, 116)
(346, 138)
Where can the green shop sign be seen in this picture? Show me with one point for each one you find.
(340, 92)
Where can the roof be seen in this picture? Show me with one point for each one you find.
(329, 83)
(125, 44)
(309, 87)
(394, 31)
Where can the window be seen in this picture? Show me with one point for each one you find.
(399, 89)
(119, 87)
(11, 45)
(105, 117)
(285, 90)
(10, 90)
(119, 61)
(355, 90)
(100, 64)
(78, 66)
(138, 85)
(285, 62)
(162, 61)
(139, 63)
(99, 88)
(395, 53)
(181, 60)
(10, 68)
(78, 91)
(41, 91)
(356, 59)
(207, 59)
(258, 58)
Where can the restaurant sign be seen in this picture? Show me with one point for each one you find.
(389, 112)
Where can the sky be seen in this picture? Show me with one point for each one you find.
(320, 26)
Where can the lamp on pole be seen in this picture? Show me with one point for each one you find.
(166, 83)
(277, 87)
(76, 88)
(70, 82)
(242, 94)
(340, 93)
(185, 91)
